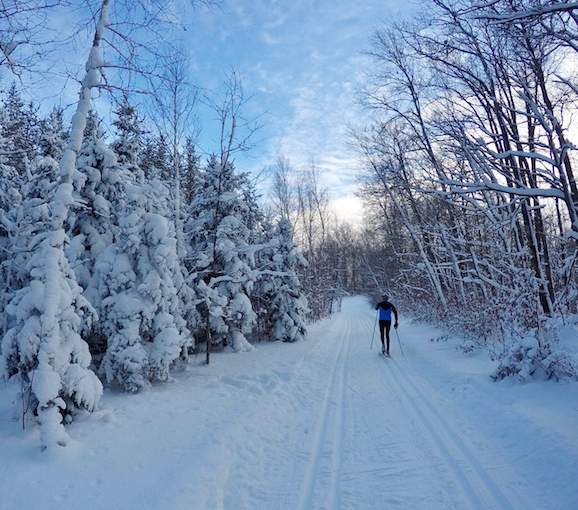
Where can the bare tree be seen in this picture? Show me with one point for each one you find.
(471, 154)
(174, 106)
(25, 39)
(236, 131)
(283, 191)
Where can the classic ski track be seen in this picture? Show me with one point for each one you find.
(306, 494)
(433, 443)
(271, 402)
(481, 491)
(409, 435)
(338, 430)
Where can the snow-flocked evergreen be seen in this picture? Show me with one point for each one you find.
(221, 256)
(282, 289)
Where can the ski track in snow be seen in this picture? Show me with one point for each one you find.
(473, 480)
(323, 424)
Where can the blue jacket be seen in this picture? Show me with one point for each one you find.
(385, 308)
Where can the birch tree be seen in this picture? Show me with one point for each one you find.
(471, 153)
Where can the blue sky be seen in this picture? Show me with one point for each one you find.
(303, 62)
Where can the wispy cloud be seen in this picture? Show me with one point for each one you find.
(305, 63)
(269, 39)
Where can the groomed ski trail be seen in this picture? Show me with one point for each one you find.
(366, 434)
(328, 435)
(323, 424)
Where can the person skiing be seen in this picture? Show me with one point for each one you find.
(385, 308)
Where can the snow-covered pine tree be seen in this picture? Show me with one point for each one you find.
(10, 198)
(190, 171)
(288, 304)
(19, 124)
(141, 308)
(53, 135)
(43, 346)
(99, 184)
(265, 243)
(139, 279)
(19, 136)
(252, 216)
(262, 241)
(155, 158)
(221, 256)
(129, 143)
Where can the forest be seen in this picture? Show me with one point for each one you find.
(127, 251)
(471, 174)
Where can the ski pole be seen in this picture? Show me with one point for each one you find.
(373, 334)
(399, 342)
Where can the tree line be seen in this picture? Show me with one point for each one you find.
(470, 189)
(122, 255)
(124, 251)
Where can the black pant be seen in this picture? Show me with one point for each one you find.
(385, 325)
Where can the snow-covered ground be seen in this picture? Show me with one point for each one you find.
(323, 423)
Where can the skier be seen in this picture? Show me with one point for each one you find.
(385, 308)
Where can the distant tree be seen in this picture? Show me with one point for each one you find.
(155, 159)
(283, 191)
(53, 135)
(190, 171)
(286, 301)
(19, 128)
(129, 143)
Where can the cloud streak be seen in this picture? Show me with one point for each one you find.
(304, 61)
